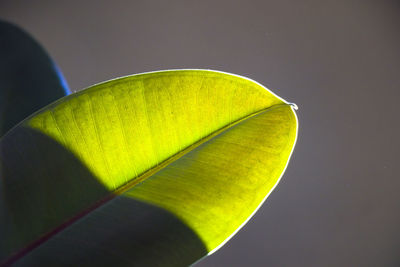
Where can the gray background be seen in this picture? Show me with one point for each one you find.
(338, 203)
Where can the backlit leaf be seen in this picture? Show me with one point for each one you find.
(152, 169)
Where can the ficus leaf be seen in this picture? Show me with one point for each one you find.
(29, 80)
(154, 169)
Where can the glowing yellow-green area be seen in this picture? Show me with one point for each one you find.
(122, 128)
(215, 188)
(206, 146)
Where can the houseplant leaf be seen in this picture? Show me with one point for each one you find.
(29, 80)
(159, 168)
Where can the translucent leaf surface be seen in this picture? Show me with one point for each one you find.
(159, 168)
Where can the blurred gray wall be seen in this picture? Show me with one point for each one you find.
(338, 203)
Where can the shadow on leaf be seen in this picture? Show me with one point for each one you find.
(43, 186)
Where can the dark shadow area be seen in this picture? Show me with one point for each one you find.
(29, 79)
(43, 185)
(124, 232)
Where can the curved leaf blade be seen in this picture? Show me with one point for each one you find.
(29, 80)
(229, 176)
(207, 147)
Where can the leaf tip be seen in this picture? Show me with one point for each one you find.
(294, 106)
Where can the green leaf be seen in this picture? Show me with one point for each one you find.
(29, 80)
(159, 169)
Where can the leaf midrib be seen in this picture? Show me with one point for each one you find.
(150, 172)
(127, 186)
